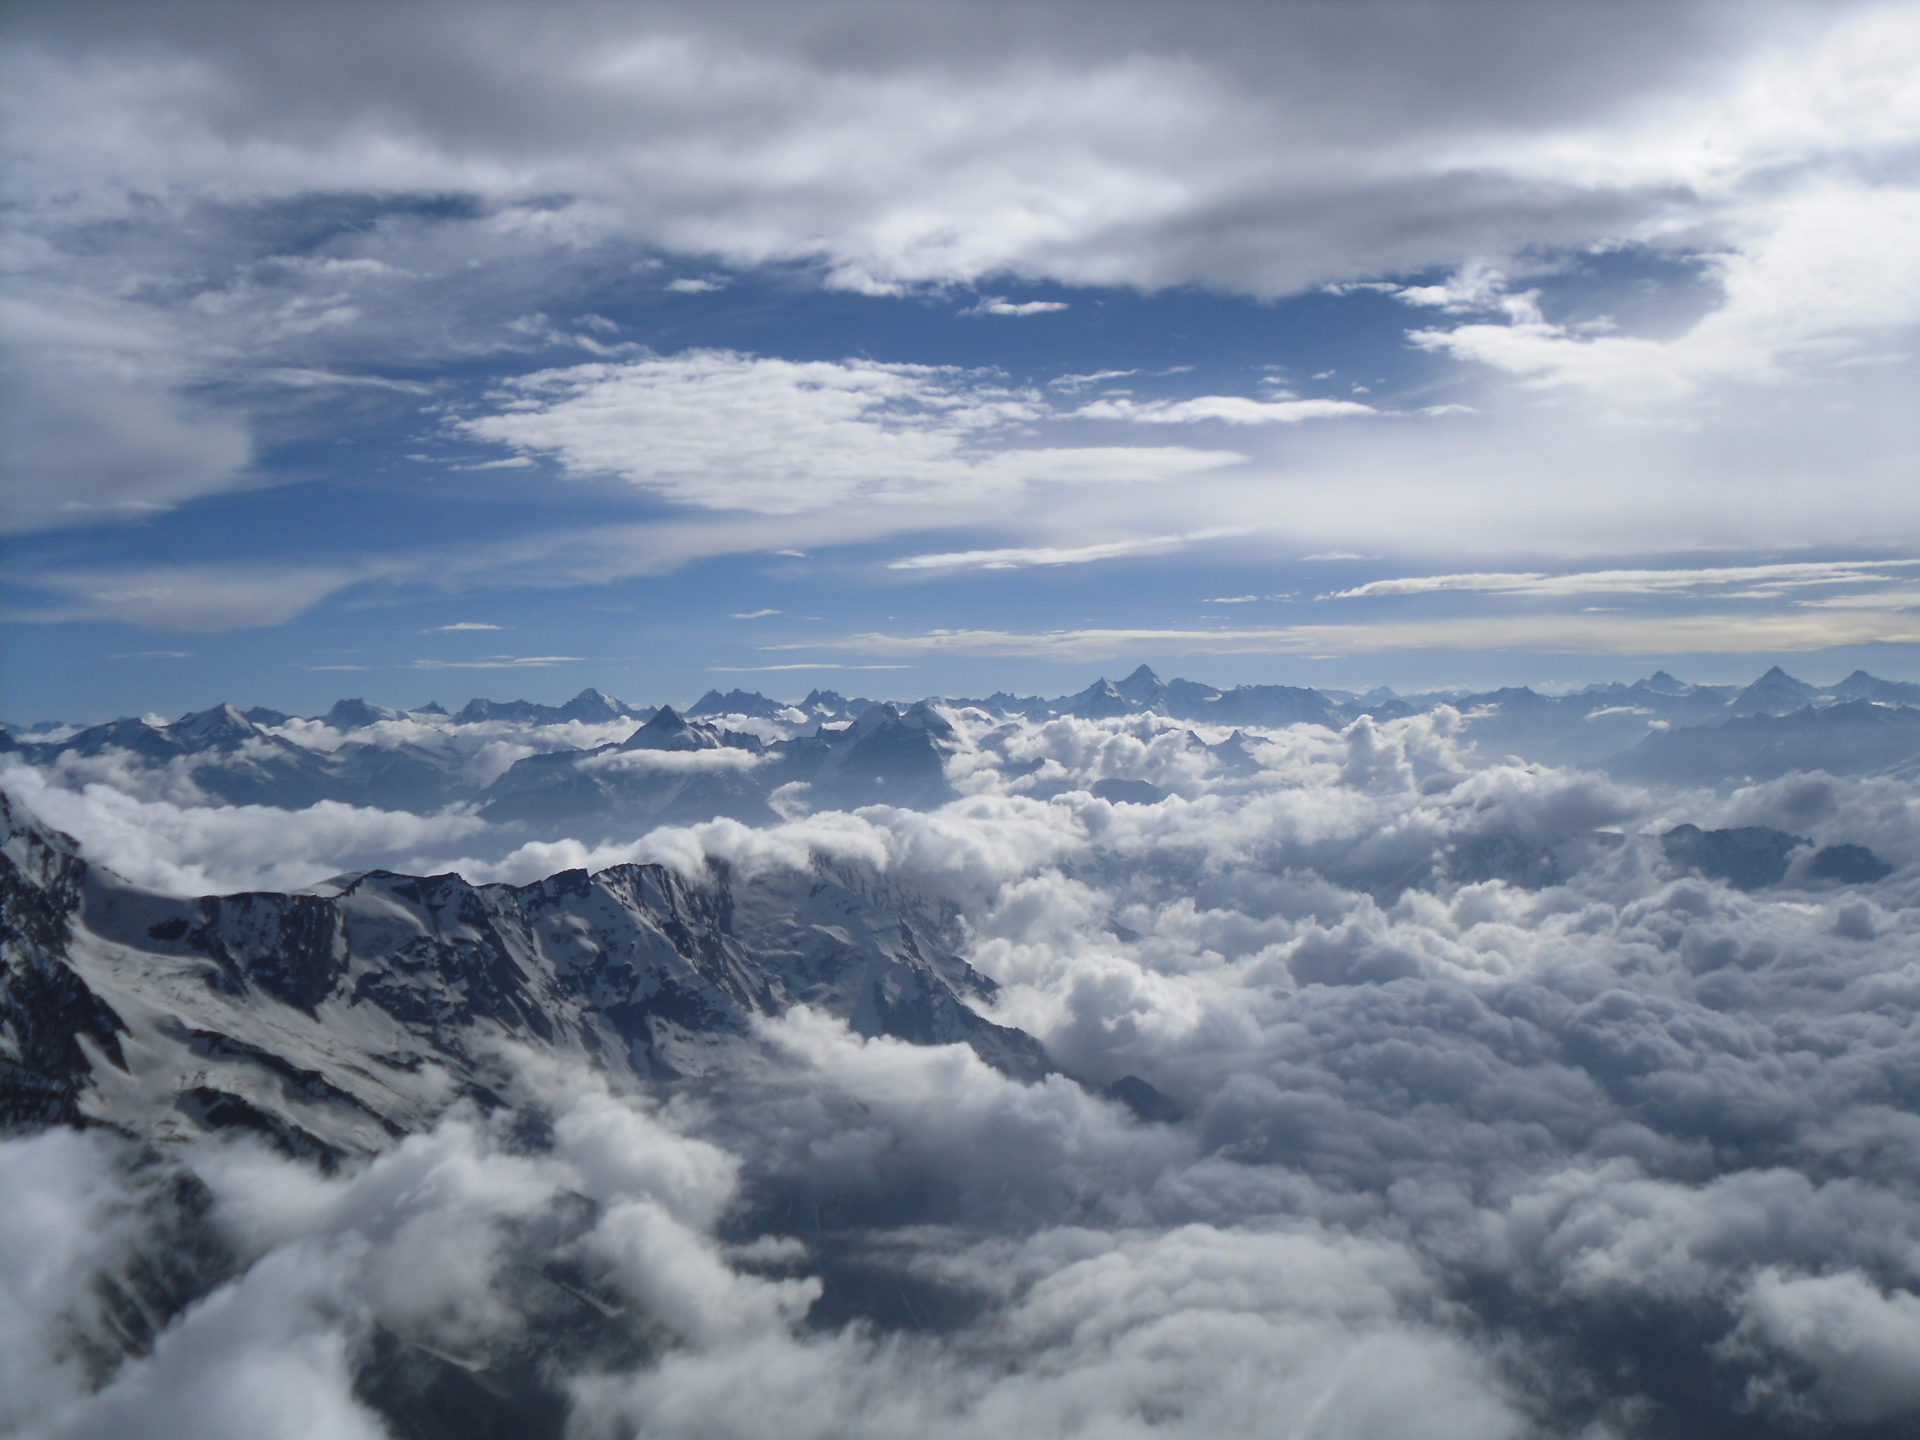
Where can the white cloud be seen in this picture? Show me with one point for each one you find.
(501, 662)
(1232, 409)
(191, 598)
(800, 665)
(1456, 1150)
(1019, 557)
(460, 625)
(996, 305)
(1585, 633)
(1821, 278)
(1782, 577)
(729, 431)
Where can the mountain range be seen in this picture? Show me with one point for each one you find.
(598, 763)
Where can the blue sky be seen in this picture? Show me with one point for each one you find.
(433, 351)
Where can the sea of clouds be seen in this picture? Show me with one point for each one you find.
(1628, 1153)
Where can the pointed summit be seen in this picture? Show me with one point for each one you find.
(668, 731)
(1774, 693)
(1142, 687)
(1663, 683)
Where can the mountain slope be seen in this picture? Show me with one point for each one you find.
(329, 1022)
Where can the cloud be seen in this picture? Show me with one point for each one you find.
(752, 614)
(700, 285)
(176, 843)
(1489, 1139)
(1232, 409)
(1092, 159)
(460, 625)
(1014, 558)
(1437, 150)
(1819, 280)
(190, 598)
(1584, 633)
(501, 662)
(798, 665)
(728, 431)
(1783, 577)
(97, 426)
(996, 305)
(513, 462)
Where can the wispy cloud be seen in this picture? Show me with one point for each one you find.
(1019, 557)
(305, 379)
(798, 665)
(1757, 578)
(501, 662)
(1583, 633)
(751, 614)
(1231, 409)
(152, 655)
(459, 625)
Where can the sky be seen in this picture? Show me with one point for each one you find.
(434, 350)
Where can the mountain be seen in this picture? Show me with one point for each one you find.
(676, 769)
(356, 715)
(831, 705)
(595, 707)
(749, 703)
(1142, 688)
(1862, 686)
(634, 782)
(1774, 693)
(1099, 701)
(1856, 737)
(886, 756)
(329, 1022)
(232, 760)
(668, 730)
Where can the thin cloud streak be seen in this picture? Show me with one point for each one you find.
(1019, 557)
(1568, 634)
(1639, 582)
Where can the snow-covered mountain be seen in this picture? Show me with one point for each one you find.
(587, 767)
(332, 1021)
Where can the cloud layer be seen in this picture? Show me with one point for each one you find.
(1439, 1152)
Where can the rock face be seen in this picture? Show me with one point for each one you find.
(329, 1022)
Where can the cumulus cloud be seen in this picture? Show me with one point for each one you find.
(183, 846)
(1472, 1101)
